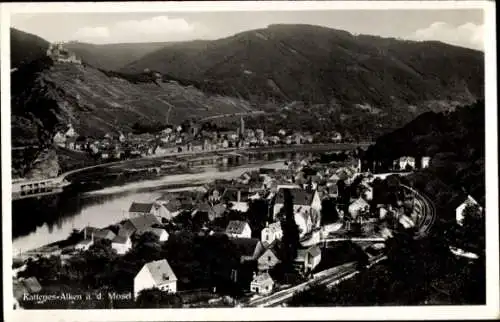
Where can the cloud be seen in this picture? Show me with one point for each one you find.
(155, 25)
(92, 33)
(158, 28)
(467, 35)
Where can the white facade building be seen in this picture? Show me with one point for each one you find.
(156, 274)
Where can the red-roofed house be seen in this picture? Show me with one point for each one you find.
(156, 274)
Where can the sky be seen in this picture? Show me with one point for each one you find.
(461, 27)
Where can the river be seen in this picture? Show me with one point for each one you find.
(37, 222)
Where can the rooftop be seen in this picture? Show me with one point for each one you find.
(141, 207)
(299, 195)
(236, 226)
(161, 272)
(262, 278)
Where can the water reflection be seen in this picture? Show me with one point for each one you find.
(109, 193)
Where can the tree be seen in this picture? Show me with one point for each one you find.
(329, 212)
(156, 298)
(257, 215)
(290, 240)
(474, 228)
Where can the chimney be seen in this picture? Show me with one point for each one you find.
(85, 233)
(239, 196)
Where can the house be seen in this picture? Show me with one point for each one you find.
(31, 285)
(357, 207)
(333, 191)
(155, 274)
(138, 225)
(216, 211)
(248, 248)
(405, 162)
(303, 199)
(382, 212)
(304, 220)
(85, 244)
(405, 221)
(140, 209)
(271, 232)
(238, 198)
(238, 229)
(308, 258)
(161, 233)
(169, 210)
(460, 210)
(285, 184)
(367, 191)
(337, 137)
(70, 132)
(333, 179)
(60, 140)
(267, 260)
(80, 143)
(97, 233)
(121, 244)
(70, 143)
(425, 162)
(262, 284)
(215, 194)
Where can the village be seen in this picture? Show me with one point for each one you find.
(187, 137)
(333, 203)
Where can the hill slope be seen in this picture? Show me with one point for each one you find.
(322, 65)
(52, 94)
(112, 56)
(25, 47)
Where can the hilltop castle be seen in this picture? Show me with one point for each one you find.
(58, 53)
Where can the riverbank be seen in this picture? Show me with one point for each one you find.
(104, 206)
(265, 149)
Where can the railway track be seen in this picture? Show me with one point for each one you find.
(428, 212)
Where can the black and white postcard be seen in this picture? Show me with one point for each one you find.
(249, 160)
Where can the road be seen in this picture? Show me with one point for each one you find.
(214, 117)
(329, 277)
